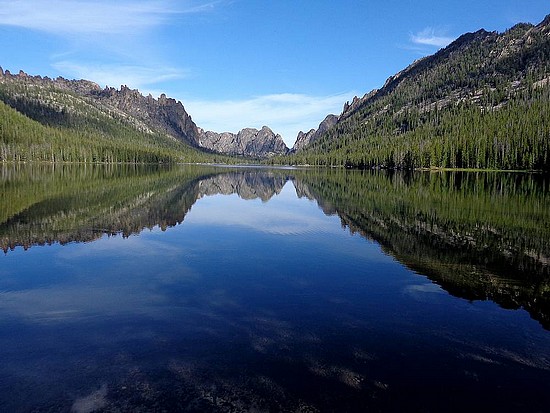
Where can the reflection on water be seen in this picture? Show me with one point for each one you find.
(272, 290)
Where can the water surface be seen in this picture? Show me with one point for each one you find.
(214, 289)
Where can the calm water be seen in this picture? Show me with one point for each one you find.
(201, 289)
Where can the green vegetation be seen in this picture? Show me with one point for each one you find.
(514, 137)
(44, 124)
(479, 235)
(483, 102)
(63, 203)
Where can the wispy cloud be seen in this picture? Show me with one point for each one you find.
(134, 76)
(109, 42)
(285, 113)
(92, 17)
(431, 37)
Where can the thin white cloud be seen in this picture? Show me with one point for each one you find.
(431, 37)
(285, 113)
(133, 76)
(109, 42)
(92, 17)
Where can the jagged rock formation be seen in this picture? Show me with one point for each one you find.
(350, 108)
(165, 114)
(248, 142)
(144, 113)
(247, 185)
(305, 139)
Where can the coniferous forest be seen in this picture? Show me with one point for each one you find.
(482, 102)
(513, 137)
(41, 122)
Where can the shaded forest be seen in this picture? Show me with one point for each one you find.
(45, 124)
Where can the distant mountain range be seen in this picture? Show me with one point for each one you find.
(481, 102)
(250, 142)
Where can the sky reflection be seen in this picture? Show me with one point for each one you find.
(251, 303)
(285, 214)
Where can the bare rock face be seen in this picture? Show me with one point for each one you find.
(164, 114)
(305, 139)
(251, 142)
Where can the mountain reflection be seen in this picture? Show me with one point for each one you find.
(48, 204)
(247, 185)
(477, 235)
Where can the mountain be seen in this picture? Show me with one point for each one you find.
(164, 114)
(145, 113)
(81, 106)
(305, 139)
(481, 102)
(248, 142)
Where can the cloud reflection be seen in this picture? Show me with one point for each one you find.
(295, 217)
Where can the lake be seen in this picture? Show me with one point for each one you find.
(211, 289)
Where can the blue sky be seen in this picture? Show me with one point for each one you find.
(243, 63)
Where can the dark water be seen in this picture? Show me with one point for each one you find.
(201, 289)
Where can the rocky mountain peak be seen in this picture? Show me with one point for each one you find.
(305, 139)
(164, 114)
(251, 142)
(545, 22)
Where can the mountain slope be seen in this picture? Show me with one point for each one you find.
(60, 121)
(304, 139)
(83, 107)
(481, 102)
(24, 139)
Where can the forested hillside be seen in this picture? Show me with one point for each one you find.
(41, 120)
(481, 102)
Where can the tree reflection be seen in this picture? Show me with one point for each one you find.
(478, 235)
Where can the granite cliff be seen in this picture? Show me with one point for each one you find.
(248, 142)
(304, 139)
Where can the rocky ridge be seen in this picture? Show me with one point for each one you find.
(249, 142)
(488, 61)
(165, 114)
(304, 139)
(145, 113)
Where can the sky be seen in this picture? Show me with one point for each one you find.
(243, 63)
